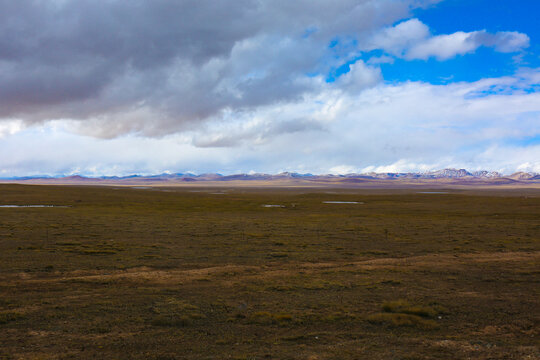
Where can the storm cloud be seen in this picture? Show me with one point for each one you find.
(157, 67)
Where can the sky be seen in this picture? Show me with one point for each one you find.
(111, 87)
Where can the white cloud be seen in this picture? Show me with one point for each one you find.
(412, 39)
(360, 77)
(10, 127)
(530, 167)
(411, 126)
(396, 39)
(508, 159)
(444, 47)
(343, 170)
(402, 166)
(504, 41)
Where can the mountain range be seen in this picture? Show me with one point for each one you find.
(444, 176)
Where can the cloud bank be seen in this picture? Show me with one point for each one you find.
(157, 67)
(234, 86)
(402, 127)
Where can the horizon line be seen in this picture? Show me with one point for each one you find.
(307, 174)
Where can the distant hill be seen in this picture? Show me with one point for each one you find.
(442, 177)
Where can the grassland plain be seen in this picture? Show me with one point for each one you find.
(195, 273)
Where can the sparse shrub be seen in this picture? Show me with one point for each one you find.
(402, 313)
(283, 317)
(398, 319)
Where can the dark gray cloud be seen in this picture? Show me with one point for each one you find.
(160, 66)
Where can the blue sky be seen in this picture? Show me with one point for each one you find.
(491, 15)
(461, 15)
(304, 86)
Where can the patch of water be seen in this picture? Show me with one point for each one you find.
(150, 188)
(273, 206)
(342, 202)
(33, 206)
